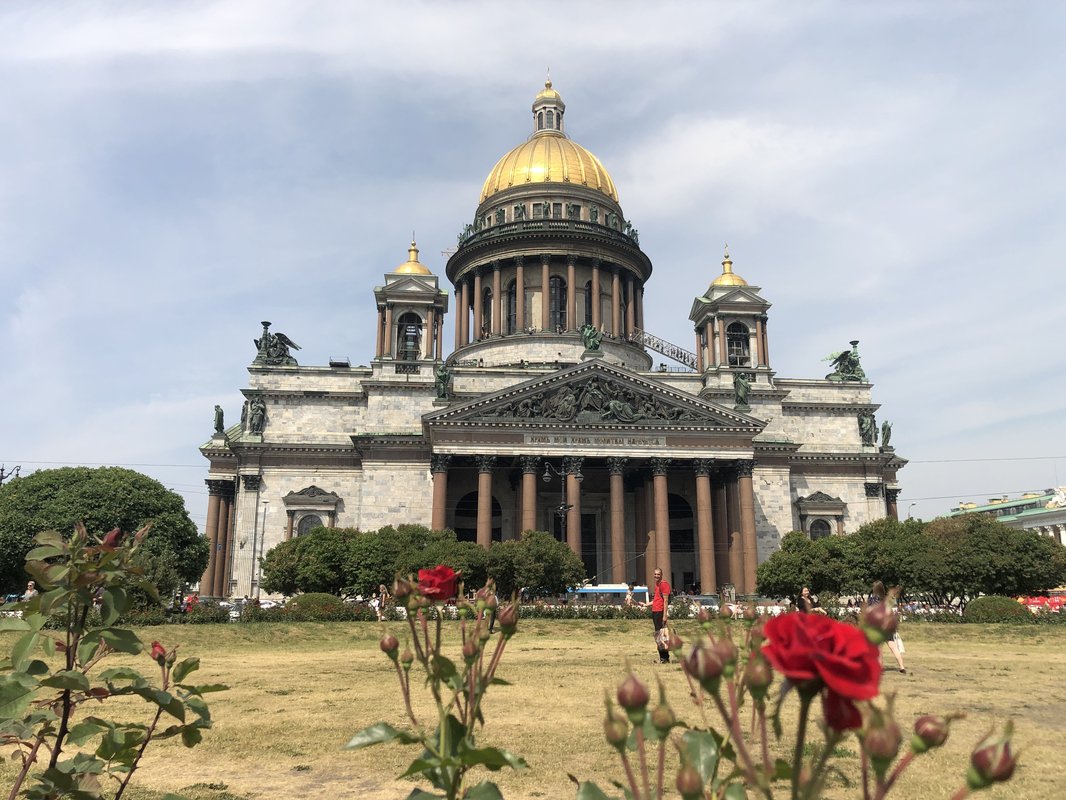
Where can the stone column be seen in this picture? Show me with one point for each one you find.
(596, 293)
(723, 357)
(440, 335)
(545, 301)
(520, 295)
(705, 525)
(387, 349)
(640, 305)
(631, 306)
(651, 549)
(618, 519)
(530, 467)
(478, 320)
(571, 294)
(485, 466)
(464, 317)
(721, 530)
(438, 467)
(214, 500)
(659, 469)
(736, 543)
(699, 352)
(745, 468)
(753, 347)
(616, 301)
(458, 318)
(290, 518)
(572, 469)
(429, 345)
(497, 327)
(891, 507)
(224, 546)
(381, 324)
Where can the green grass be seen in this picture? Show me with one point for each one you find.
(298, 693)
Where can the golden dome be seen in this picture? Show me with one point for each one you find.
(548, 95)
(548, 157)
(412, 266)
(728, 277)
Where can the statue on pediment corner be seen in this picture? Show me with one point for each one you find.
(591, 337)
(272, 349)
(220, 426)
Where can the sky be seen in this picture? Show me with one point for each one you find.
(173, 173)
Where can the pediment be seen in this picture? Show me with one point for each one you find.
(410, 283)
(819, 498)
(596, 394)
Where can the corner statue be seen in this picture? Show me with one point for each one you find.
(741, 389)
(274, 349)
(867, 429)
(219, 425)
(591, 337)
(846, 365)
(443, 378)
(886, 433)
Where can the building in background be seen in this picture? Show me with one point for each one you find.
(549, 412)
(1043, 512)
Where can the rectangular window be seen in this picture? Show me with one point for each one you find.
(539, 210)
(557, 210)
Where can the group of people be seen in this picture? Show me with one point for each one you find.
(806, 603)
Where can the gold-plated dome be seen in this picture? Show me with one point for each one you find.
(728, 277)
(548, 94)
(412, 266)
(549, 157)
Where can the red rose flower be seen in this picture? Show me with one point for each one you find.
(438, 583)
(810, 647)
(159, 653)
(841, 714)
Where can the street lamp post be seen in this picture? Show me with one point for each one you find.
(564, 507)
(909, 509)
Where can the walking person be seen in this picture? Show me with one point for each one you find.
(895, 644)
(807, 603)
(879, 595)
(660, 613)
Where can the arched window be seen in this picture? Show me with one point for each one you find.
(819, 529)
(465, 526)
(409, 337)
(308, 522)
(559, 121)
(540, 120)
(512, 306)
(557, 303)
(551, 119)
(486, 313)
(588, 302)
(738, 344)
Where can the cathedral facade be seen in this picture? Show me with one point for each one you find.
(546, 412)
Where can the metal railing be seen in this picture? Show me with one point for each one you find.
(671, 351)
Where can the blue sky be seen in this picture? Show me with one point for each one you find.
(173, 173)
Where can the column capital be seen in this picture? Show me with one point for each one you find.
(572, 465)
(596, 262)
(617, 464)
(545, 259)
(873, 489)
(219, 486)
(252, 482)
(439, 462)
(571, 260)
(495, 264)
(519, 261)
(660, 466)
(745, 467)
(703, 466)
(485, 463)
(530, 464)
(892, 494)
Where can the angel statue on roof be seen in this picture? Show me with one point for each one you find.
(273, 349)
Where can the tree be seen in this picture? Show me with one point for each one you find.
(785, 572)
(537, 562)
(104, 498)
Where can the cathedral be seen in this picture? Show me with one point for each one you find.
(546, 412)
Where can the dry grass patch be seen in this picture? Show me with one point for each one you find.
(298, 693)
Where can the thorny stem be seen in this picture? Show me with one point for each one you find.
(896, 772)
(629, 775)
(140, 752)
(73, 640)
(866, 776)
(405, 689)
(816, 776)
(27, 762)
(697, 697)
(643, 761)
(765, 742)
(737, 735)
(797, 757)
(662, 767)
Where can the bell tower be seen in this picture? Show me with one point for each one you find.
(411, 308)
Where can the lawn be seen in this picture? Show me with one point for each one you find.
(298, 693)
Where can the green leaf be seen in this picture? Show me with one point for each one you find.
(16, 692)
(499, 682)
(22, 649)
(490, 757)
(84, 731)
(191, 736)
(444, 668)
(42, 552)
(782, 770)
(122, 640)
(422, 794)
(88, 648)
(13, 624)
(590, 791)
(486, 790)
(183, 668)
(701, 750)
(67, 679)
(735, 792)
(121, 674)
(36, 667)
(420, 765)
(206, 688)
(113, 604)
(378, 734)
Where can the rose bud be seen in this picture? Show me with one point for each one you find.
(725, 612)
(750, 613)
(407, 658)
(758, 676)
(674, 644)
(725, 650)
(470, 651)
(159, 653)
(615, 727)
(663, 720)
(930, 731)
(705, 666)
(389, 645)
(401, 591)
(633, 698)
(507, 619)
(689, 783)
(881, 742)
(704, 617)
(879, 622)
(992, 760)
(112, 539)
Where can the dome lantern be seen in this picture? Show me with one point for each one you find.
(548, 109)
(412, 266)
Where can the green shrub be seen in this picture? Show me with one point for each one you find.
(996, 608)
(204, 613)
(143, 617)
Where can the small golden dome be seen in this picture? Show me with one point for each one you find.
(548, 95)
(548, 157)
(728, 277)
(412, 266)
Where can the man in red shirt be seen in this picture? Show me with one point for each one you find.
(660, 611)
